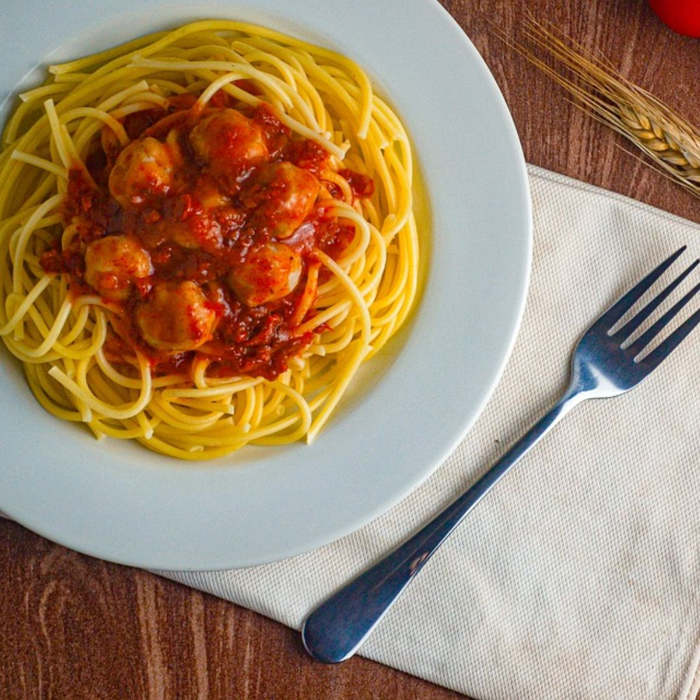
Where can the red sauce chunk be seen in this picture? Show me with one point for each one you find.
(361, 185)
(199, 235)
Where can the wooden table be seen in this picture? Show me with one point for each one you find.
(73, 626)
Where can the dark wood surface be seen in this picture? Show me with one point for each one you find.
(75, 627)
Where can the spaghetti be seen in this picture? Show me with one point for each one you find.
(203, 233)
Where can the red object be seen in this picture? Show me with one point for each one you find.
(683, 16)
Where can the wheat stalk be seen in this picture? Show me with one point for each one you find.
(669, 140)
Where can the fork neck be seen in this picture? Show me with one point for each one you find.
(572, 397)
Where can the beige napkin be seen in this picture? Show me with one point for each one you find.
(579, 576)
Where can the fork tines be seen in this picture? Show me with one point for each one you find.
(617, 311)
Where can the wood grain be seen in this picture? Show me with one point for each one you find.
(75, 627)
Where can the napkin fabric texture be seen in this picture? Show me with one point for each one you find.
(579, 575)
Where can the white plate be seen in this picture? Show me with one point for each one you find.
(121, 502)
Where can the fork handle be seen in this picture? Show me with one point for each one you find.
(334, 631)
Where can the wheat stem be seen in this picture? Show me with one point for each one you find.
(671, 143)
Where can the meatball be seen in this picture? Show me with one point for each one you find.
(208, 194)
(177, 316)
(229, 143)
(113, 263)
(143, 172)
(269, 272)
(198, 229)
(281, 196)
(195, 233)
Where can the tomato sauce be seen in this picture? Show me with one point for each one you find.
(201, 221)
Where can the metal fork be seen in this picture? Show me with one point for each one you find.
(603, 365)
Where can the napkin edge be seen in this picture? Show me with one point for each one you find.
(552, 176)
